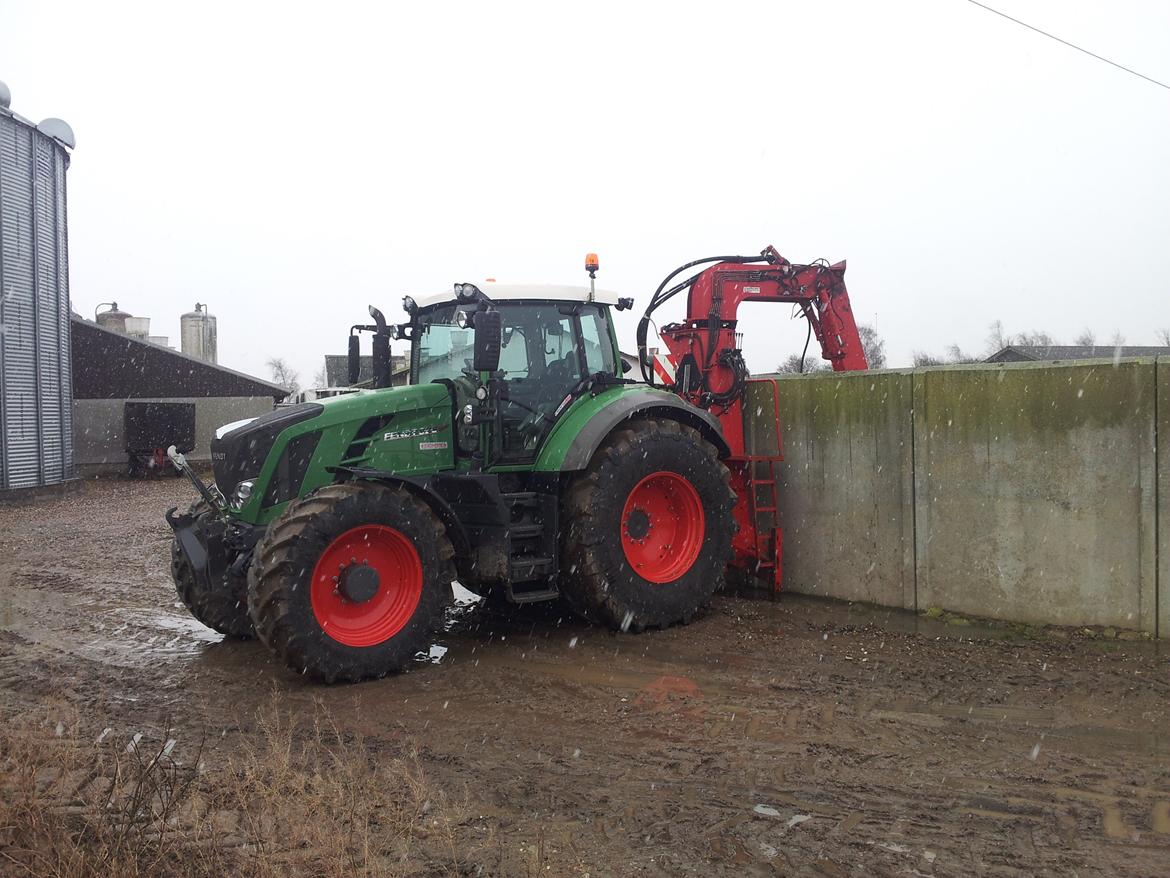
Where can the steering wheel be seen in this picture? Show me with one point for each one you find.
(534, 416)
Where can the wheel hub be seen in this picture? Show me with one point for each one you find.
(366, 585)
(359, 583)
(638, 524)
(662, 526)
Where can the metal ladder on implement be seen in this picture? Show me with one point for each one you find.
(765, 514)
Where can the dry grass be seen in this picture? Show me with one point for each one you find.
(306, 800)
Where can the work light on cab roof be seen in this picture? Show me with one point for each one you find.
(519, 459)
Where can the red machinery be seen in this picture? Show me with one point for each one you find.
(706, 367)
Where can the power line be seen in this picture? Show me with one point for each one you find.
(1067, 43)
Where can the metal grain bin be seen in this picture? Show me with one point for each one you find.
(36, 389)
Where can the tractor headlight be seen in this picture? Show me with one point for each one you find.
(464, 320)
(409, 305)
(242, 493)
(468, 414)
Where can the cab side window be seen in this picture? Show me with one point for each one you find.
(514, 353)
(598, 347)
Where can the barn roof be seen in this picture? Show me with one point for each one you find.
(1016, 353)
(110, 365)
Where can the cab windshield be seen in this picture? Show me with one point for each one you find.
(548, 349)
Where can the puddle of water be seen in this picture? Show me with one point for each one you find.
(463, 597)
(146, 636)
(186, 625)
(434, 655)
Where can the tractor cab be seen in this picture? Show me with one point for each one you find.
(514, 358)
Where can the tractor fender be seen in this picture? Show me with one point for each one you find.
(419, 486)
(646, 402)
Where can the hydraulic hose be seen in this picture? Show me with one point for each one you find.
(660, 297)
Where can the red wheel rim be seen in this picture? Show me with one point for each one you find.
(399, 585)
(662, 526)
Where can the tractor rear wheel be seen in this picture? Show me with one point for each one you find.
(224, 608)
(649, 527)
(350, 582)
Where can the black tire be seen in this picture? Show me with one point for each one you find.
(598, 578)
(223, 609)
(281, 581)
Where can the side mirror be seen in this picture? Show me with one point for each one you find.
(355, 360)
(489, 331)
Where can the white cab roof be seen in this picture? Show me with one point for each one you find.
(498, 292)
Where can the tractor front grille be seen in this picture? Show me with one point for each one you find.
(291, 468)
(240, 454)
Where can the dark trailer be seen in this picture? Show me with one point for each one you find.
(150, 427)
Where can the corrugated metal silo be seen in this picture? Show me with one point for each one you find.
(36, 388)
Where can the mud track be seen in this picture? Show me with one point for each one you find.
(769, 737)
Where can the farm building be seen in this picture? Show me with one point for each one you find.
(1022, 353)
(133, 397)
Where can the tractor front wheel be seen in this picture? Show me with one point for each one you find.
(350, 582)
(223, 608)
(648, 527)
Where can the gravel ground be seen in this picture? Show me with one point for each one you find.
(768, 737)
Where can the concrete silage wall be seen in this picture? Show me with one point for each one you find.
(845, 485)
(1026, 492)
(1162, 507)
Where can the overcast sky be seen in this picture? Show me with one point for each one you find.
(289, 164)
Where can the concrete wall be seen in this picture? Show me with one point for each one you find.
(99, 444)
(1162, 507)
(846, 488)
(1027, 492)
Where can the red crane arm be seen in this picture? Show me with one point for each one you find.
(818, 289)
(706, 367)
(705, 364)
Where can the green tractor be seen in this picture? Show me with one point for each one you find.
(519, 461)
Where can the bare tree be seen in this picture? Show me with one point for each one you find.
(812, 363)
(1164, 336)
(1036, 338)
(321, 378)
(1086, 338)
(284, 375)
(1118, 339)
(873, 345)
(954, 355)
(997, 339)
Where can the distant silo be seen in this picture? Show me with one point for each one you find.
(36, 390)
(197, 333)
(112, 318)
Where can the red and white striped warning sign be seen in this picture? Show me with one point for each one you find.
(664, 367)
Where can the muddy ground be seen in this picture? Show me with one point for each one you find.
(769, 737)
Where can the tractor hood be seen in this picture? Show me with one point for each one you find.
(387, 401)
(239, 451)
